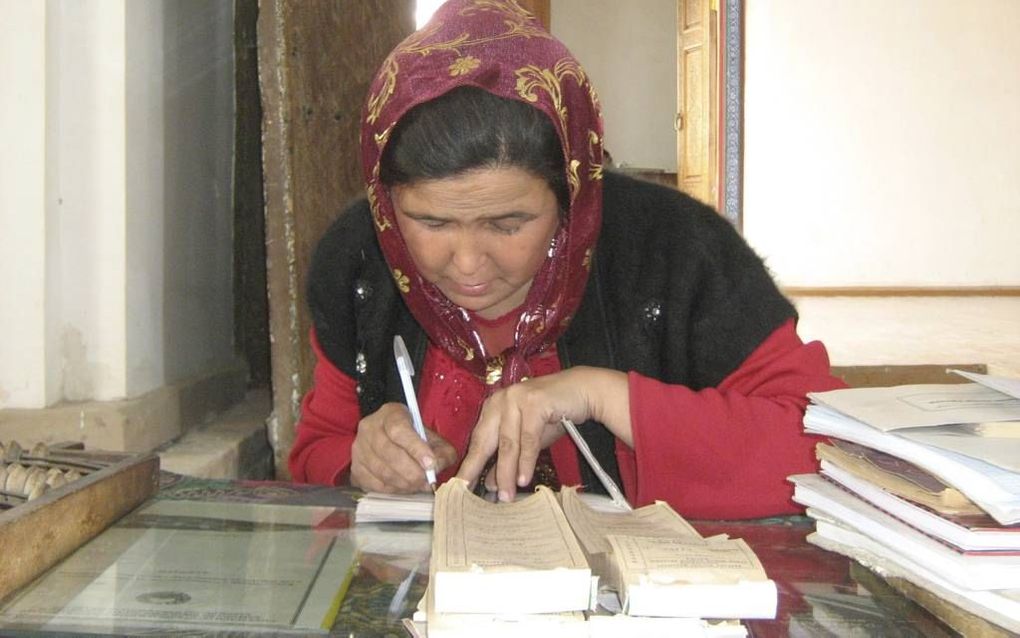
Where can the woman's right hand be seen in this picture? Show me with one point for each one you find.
(389, 456)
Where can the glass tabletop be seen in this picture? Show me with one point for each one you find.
(233, 558)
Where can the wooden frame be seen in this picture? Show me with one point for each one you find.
(732, 145)
(902, 291)
(37, 534)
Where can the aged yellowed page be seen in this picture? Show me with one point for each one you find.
(708, 578)
(592, 527)
(505, 557)
(689, 560)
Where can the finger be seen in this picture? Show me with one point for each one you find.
(400, 431)
(377, 461)
(480, 449)
(490, 480)
(530, 442)
(473, 464)
(482, 444)
(443, 451)
(365, 480)
(404, 472)
(508, 453)
(395, 469)
(360, 475)
(392, 464)
(386, 434)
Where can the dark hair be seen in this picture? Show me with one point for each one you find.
(469, 128)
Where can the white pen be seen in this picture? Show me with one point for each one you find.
(406, 369)
(604, 478)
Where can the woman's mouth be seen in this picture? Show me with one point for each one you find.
(470, 289)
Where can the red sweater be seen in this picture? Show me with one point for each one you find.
(722, 452)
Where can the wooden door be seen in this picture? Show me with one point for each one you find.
(697, 99)
(316, 60)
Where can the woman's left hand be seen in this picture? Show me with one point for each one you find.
(520, 420)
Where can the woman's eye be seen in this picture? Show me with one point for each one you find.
(433, 223)
(506, 228)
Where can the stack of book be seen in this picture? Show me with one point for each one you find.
(921, 483)
(551, 564)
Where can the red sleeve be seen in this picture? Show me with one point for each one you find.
(329, 420)
(725, 452)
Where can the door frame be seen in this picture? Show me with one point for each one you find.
(731, 160)
(720, 35)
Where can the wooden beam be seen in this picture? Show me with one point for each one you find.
(902, 291)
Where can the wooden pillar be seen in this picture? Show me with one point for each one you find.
(316, 59)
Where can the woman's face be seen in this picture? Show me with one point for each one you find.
(480, 237)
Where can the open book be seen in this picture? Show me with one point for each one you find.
(594, 526)
(538, 555)
(492, 558)
(708, 578)
(661, 566)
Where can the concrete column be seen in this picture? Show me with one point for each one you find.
(116, 310)
(86, 180)
(23, 369)
(62, 245)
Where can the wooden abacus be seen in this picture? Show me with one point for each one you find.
(54, 498)
(25, 476)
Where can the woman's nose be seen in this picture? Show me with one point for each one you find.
(468, 254)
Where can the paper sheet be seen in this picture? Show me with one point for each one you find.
(1005, 385)
(910, 406)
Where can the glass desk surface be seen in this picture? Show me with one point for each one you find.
(360, 580)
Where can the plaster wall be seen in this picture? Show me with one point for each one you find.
(22, 203)
(628, 50)
(85, 205)
(115, 197)
(145, 193)
(881, 141)
(196, 117)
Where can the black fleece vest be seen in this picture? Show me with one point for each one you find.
(675, 294)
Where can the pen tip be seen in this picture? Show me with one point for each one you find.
(433, 486)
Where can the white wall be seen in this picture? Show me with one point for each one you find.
(22, 200)
(198, 126)
(61, 184)
(882, 141)
(115, 197)
(628, 50)
(146, 192)
(85, 206)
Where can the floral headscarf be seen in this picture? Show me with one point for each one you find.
(497, 46)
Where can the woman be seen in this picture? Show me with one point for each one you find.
(530, 285)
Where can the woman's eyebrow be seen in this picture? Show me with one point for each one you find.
(427, 215)
(513, 214)
(417, 215)
(508, 215)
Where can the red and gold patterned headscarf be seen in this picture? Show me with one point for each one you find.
(497, 46)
